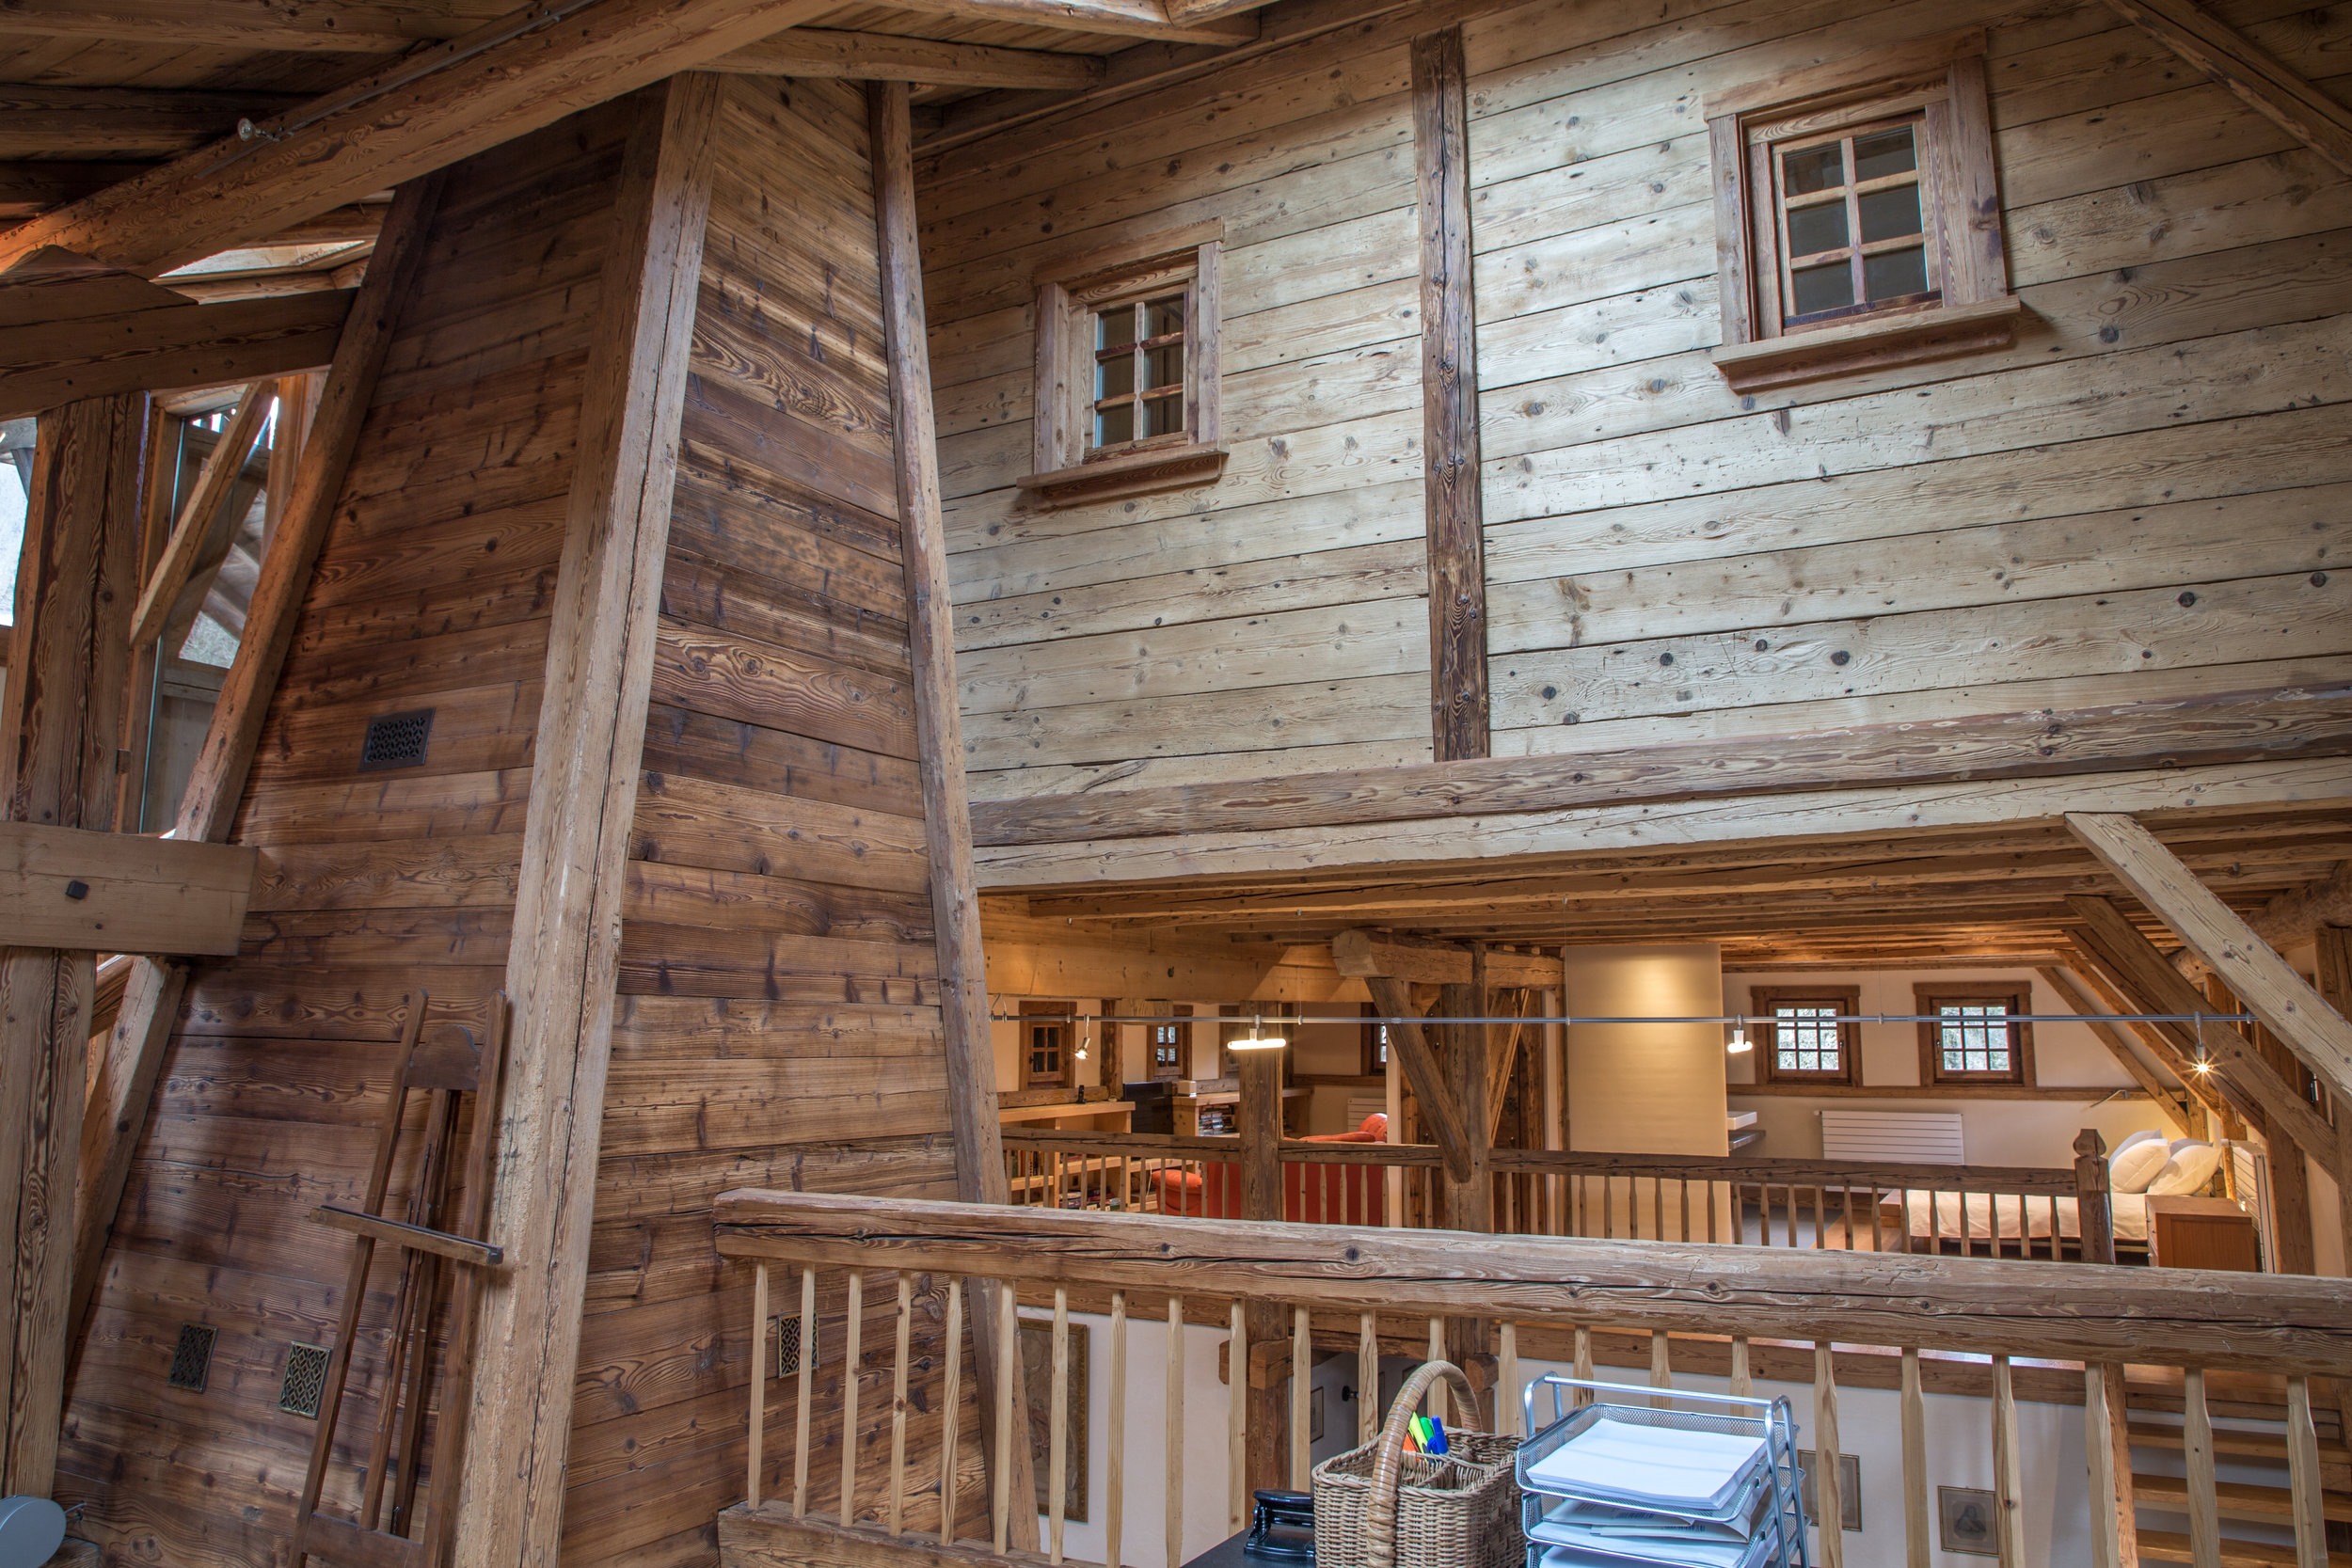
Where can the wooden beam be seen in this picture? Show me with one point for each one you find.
(2277, 1323)
(1469, 1201)
(122, 123)
(59, 722)
(1436, 963)
(2268, 85)
(562, 963)
(887, 57)
(2113, 1039)
(2133, 965)
(966, 1038)
(2250, 967)
(32, 188)
(2228, 727)
(50, 363)
(431, 109)
(338, 27)
(2212, 1094)
(222, 467)
(105, 892)
(1453, 512)
(1146, 19)
(2335, 984)
(1440, 1112)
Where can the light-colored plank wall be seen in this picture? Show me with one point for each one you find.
(2140, 499)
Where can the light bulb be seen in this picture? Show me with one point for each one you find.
(1738, 1046)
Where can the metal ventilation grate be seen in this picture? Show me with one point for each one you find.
(191, 1358)
(306, 1380)
(396, 739)
(789, 1345)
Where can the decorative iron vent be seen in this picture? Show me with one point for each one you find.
(396, 739)
(191, 1358)
(789, 1345)
(306, 1380)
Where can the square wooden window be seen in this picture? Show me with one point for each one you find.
(1048, 1058)
(1126, 371)
(1969, 1035)
(1168, 1046)
(1858, 216)
(1799, 1036)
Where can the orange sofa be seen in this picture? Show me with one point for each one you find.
(1311, 1194)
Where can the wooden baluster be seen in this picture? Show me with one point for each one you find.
(760, 1380)
(2303, 1478)
(1302, 1384)
(1608, 1207)
(2204, 1521)
(1367, 1378)
(951, 1409)
(1582, 1366)
(1507, 1377)
(2114, 1523)
(1058, 1428)
(1657, 1208)
(1917, 1504)
(1436, 1405)
(1115, 1472)
(1848, 1216)
(903, 1353)
(1877, 1221)
(850, 1355)
(1792, 1228)
(1662, 1372)
(1237, 1421)
(1714, 1202)
(1820, 1206)
(1008, 1359)
(808, 1393)
(1742, 1385)
(1682, 1193)
(2008, 1484)
(1829, 1507)
(1173, 1397)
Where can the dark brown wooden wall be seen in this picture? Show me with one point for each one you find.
(433, 590)
(778, 1023)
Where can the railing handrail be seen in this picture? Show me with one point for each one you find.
(2290, 1324)
(2030, 1180)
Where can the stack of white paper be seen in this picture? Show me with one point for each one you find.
(1668, 1466)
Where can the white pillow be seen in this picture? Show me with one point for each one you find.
(2131, 1139)
(2136, 1164)
(2185, 1172)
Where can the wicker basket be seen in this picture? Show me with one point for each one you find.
(1379, 1507)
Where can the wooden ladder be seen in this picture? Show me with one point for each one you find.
(450, 1066)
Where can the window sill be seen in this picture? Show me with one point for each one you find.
(1870, 345)
(1139, 473)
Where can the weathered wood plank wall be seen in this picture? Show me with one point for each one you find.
(2143, 498)
(778, 1023)
(432, 591)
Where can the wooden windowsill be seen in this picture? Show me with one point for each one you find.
(1139, 473)
(1872, 343)
(2079, 1094)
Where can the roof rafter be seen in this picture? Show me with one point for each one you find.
(888, 57)
(2268, 85)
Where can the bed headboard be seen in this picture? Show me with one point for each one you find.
(1906, 1138)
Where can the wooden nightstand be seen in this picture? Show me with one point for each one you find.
(2201, 1233)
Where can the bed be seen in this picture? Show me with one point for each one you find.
(1908, 1214)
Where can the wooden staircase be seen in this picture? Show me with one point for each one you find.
(2256, 1439)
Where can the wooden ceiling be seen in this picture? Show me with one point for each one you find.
(1988, 893)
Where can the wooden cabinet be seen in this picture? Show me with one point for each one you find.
(2201, 1233)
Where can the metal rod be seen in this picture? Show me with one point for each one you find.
(2003, 1020)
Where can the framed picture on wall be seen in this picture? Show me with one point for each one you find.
(1964, 1521)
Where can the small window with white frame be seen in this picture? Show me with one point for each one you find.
(1858, 217)
(1126, 371)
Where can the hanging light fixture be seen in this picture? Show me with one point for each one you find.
(1257, 1039)
(1739, 1045)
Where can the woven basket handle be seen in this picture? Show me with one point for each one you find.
(1380, 1519)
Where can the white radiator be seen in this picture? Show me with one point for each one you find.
(1893, 1137)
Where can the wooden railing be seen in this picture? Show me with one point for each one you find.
(1989, 1210)
(1996, 1332)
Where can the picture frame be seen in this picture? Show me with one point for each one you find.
(1849, 1491)
(1966, 1521)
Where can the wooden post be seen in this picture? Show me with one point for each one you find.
(77, 581)
(2093, 1202)
(1469, 1205)
(939, 736)
(2335, 984)
(583, 794)
(1556, 1114)
(1448, 403)
(1260, 1119)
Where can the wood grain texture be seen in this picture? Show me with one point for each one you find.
(110, 892)
(2271, 88)
(1449, 378)
(176, 345)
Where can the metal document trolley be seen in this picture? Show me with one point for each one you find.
(1659, 1478)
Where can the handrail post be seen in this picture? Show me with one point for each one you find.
(1261, 1119)
(2094, 1207)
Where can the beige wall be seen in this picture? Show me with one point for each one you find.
(1645, 1089)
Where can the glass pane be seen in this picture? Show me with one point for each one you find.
(1974, 1038)
(1812, 229)
(1890, 214)
(1116, 425)
(1807, 1037)
(1165, 316)
(1115, 377)
(1815, 168)
(1165, 366)
(1115, 328)
(1884, 152)
(1823, 289)
(1164, 415)
(1896, 274)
